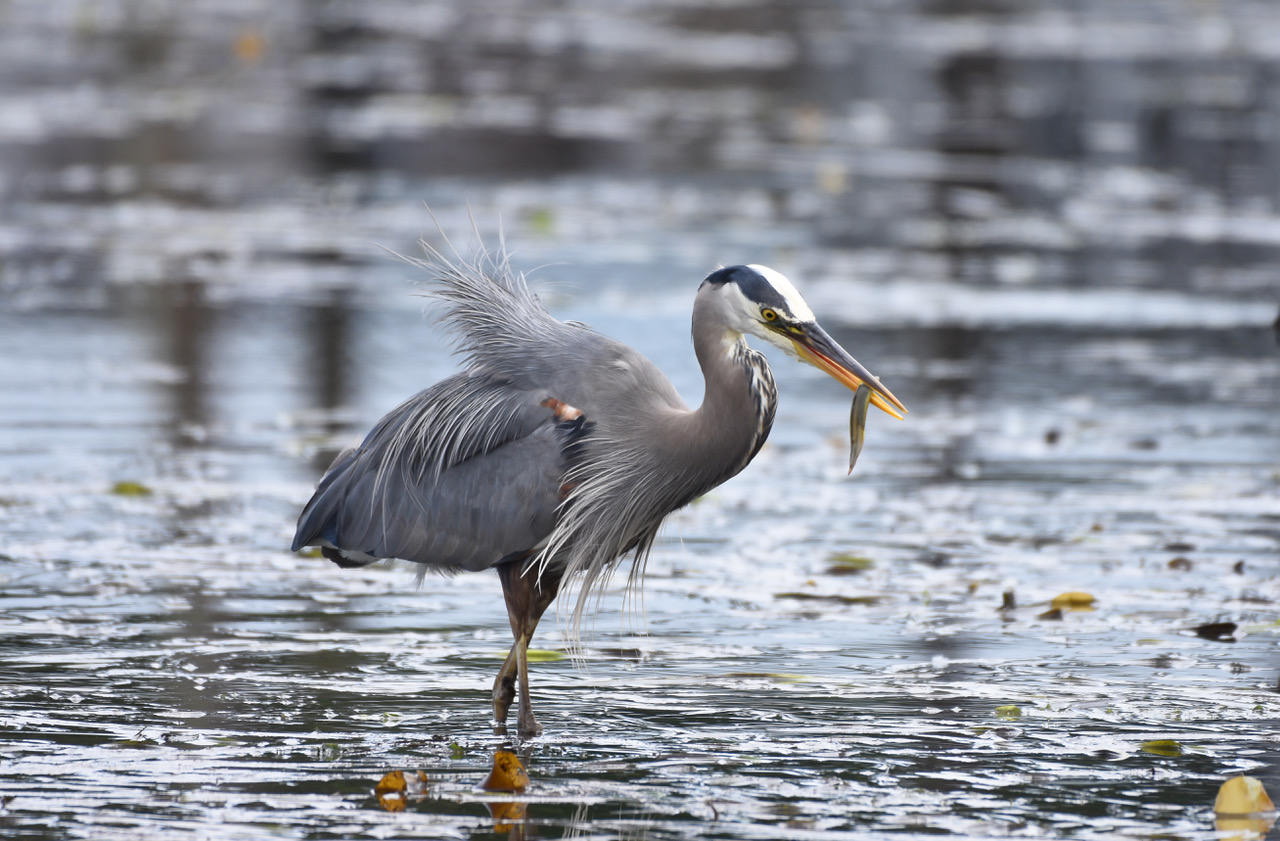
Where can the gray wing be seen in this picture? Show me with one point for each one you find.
(472, 471)
(463, 475)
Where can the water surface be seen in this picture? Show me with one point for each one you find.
(1053, 234)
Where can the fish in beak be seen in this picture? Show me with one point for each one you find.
(816, 347)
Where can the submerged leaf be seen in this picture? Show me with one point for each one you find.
(507, 774)
(1009, 712)
(542, 220)
(1162, 747)
(777, 677)
(535, 655)
(130, 489)
(847, 564)
(327, 752)
(833, 599)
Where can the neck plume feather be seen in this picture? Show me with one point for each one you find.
(668, 457)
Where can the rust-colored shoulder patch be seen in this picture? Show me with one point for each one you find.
(563, 411)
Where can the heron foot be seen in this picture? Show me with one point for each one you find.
(526, 725)
(504, 688)
(504, 692)
(503, 695)
(527, 597)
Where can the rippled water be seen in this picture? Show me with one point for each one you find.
(1053, 233)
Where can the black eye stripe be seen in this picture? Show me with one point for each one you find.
(753, 285)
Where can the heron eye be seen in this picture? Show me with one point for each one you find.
(768, 314)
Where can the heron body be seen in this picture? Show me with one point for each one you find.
(557, 450)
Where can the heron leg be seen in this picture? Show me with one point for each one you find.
(504, 688)
(528, 596)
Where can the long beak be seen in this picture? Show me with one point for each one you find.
(817, 348)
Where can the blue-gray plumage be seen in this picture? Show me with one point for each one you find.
(558, 450)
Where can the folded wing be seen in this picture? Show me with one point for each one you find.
(461, 476)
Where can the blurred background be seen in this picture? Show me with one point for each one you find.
(1053, 229)
(202, 200)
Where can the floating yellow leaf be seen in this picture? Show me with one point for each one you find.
(391, 782)
(390, 791)
(393, 790)
(507, 774)
(1009, 711)
(1162, 747)
(1242, 796)
(130, 489)
(1074, 600)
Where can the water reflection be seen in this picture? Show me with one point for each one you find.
(328, 357)
(184, 321)
(1243, 829)
(510, 817)
(973, 129)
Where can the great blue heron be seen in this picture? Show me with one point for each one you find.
(558, 450)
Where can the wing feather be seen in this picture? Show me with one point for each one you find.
(459, 476)
(476, 469)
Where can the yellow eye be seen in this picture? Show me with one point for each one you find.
(768, 314)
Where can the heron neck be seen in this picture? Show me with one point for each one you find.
(737, 409)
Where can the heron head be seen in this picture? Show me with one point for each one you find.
(761, 302)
